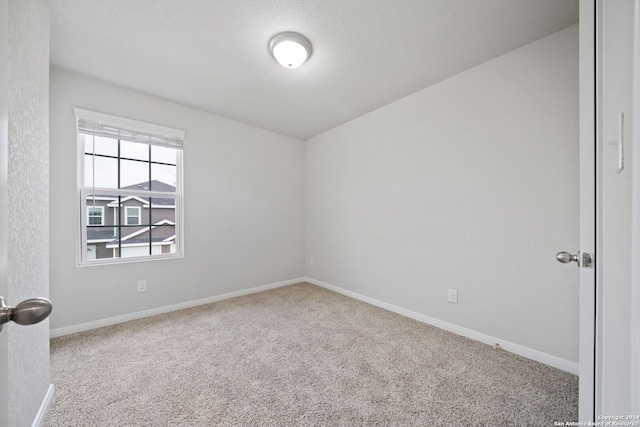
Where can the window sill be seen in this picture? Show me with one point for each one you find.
(116, 261)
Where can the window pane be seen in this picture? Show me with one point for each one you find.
(164, 174)
(163, 155)
(91, 252)
(104, 146)
(135, 249)
(134, 173)
(163, 211)
(134, 150)
(100, 242)
(164, 236)
(135, 240)
(87, 142)
(106, 172)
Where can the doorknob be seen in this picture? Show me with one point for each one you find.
(566, 257)
(28, 312)
(586, 260)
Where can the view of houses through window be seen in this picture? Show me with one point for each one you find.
(129, 196)
(127, 231)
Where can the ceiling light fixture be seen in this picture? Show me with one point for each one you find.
(291, 50)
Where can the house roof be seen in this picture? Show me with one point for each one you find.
(102, 234)
(153, 185)
(106, 234)
(155, 201)
(140, 241)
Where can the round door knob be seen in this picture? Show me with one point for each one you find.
(566, 257)
(31, 311)
(28, 312)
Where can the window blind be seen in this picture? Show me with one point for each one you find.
(106, 125)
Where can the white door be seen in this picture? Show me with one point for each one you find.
(635, 226)
(25, 384)
(614, 75)
(4, 102)
(607, 31)
(587, 210)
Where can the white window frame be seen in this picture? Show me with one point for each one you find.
(101, 214)
(155, 133)
(138, 215)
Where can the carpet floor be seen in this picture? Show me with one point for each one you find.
(297, 356)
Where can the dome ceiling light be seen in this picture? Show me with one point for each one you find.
(291, 50)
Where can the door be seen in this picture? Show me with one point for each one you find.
(615, 28)
(587, 210)
(4, 105)
(607, 31)
(25, 383)
(635, 248)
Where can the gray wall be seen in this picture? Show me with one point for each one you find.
(471, 184)
(244, 219)
(26, 204)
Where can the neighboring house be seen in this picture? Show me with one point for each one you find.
(131, 226)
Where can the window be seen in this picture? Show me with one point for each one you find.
(95, 215)
(132, 215)
(134, 170)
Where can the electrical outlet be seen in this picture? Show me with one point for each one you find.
(142, 286)
(452, 296)
(311, 262)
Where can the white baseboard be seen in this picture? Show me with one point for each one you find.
(38, 421)
(58, 332)
(547, 359)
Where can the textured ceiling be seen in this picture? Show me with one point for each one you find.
(213, 55)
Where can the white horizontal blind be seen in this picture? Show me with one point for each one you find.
(106, 125)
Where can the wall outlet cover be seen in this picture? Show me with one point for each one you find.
(142, 286)
(452, 296)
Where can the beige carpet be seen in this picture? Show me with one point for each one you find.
(296, 356)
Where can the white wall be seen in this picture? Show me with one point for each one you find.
(470, 184)
(244, 219)
(25, 184)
